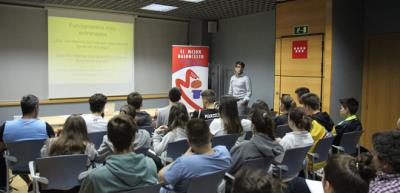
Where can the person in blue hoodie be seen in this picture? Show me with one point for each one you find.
(124, 170)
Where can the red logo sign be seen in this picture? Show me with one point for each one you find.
(299, 49)
(187, 83)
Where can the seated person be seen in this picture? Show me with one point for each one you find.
(229, 122)
(175, 131)
(300, 92)
(348, 110)
(29, 127)
(251, 180)
(162, 114)
(262, 105)
(124, 170)
(287, 104)
(95, 122)
(200, 159)
(311, 104)
(72, 140)
(300, 123)
(386, 161)
(142, 118)
(344, 174)
(209, 112)
(142, 139)
(261, 145)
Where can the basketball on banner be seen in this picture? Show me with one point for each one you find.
(299, 49)
(190, 73)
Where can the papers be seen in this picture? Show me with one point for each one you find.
(315, 186)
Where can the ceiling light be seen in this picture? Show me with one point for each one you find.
(159, 7)
(193, 1)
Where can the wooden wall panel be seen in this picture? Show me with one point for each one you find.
(289, 85)
(300, 12)
(381, 86)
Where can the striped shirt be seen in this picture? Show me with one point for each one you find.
(385, 183)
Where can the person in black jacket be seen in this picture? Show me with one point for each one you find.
(287, 104)
(348, 110)
(311, 104)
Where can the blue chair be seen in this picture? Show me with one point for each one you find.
(292, 163)
(97, 138)
(349, 143)
(226, 140)
(146, 189)
(177, 149)
(281, 130)
(206, 183)
(321, 152)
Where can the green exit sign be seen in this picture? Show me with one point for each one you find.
(300, 30)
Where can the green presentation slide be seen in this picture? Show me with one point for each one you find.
(85, 51)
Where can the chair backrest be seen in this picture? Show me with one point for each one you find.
(177, 149)
(226, 140)
(149, 129)
(146, 189)
(24, 151)
(206, 183)
(248, 135)
(97, 138)
(61, 171)
(349, 141)
(294, 159)
(257, 163)
(322, 149)
(281, 130)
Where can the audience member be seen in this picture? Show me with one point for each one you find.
(251, 180)
(344, 174)
(142, 137)
(200, 159)
(261, 145)
(287, 104)
(142, 118)
(229, 122)
(209, 112)
(29, 127)
(387, 162)
(176, 129)
(162, 114)
(124, 170)
(398, 123)
(95, 122)
(300, 92)
(348, 110)
(311, 104)
(261, 105)
(72, 140)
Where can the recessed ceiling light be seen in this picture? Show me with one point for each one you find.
(159, 7)
(193, 1)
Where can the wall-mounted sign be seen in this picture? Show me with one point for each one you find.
(299, 49)
(300, 30)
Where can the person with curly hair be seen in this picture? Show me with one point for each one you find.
(387, 162)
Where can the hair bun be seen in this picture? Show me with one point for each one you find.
(265, 115)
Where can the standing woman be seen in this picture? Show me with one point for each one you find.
(72, 140)
(229, 121)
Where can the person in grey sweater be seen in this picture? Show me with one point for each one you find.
(261, 145)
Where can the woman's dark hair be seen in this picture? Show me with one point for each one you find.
(347, 174)
(300, 119)
(387, 147)
(121, 131)
(73, 137)
(229, 113)
(178, 116)
(262, 122)
(128, 110)
(251, 180)
(261, 105)
(288, 102)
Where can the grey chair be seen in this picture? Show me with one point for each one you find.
(97, 138)
(321, 152)
(281, 130)
(177, 149)
(58, 172)
(349, 143)
(146, 189)
(226, 140)
(258, 163)
(149, 129)
(292, 163)
(18, 155)
(206, 183)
